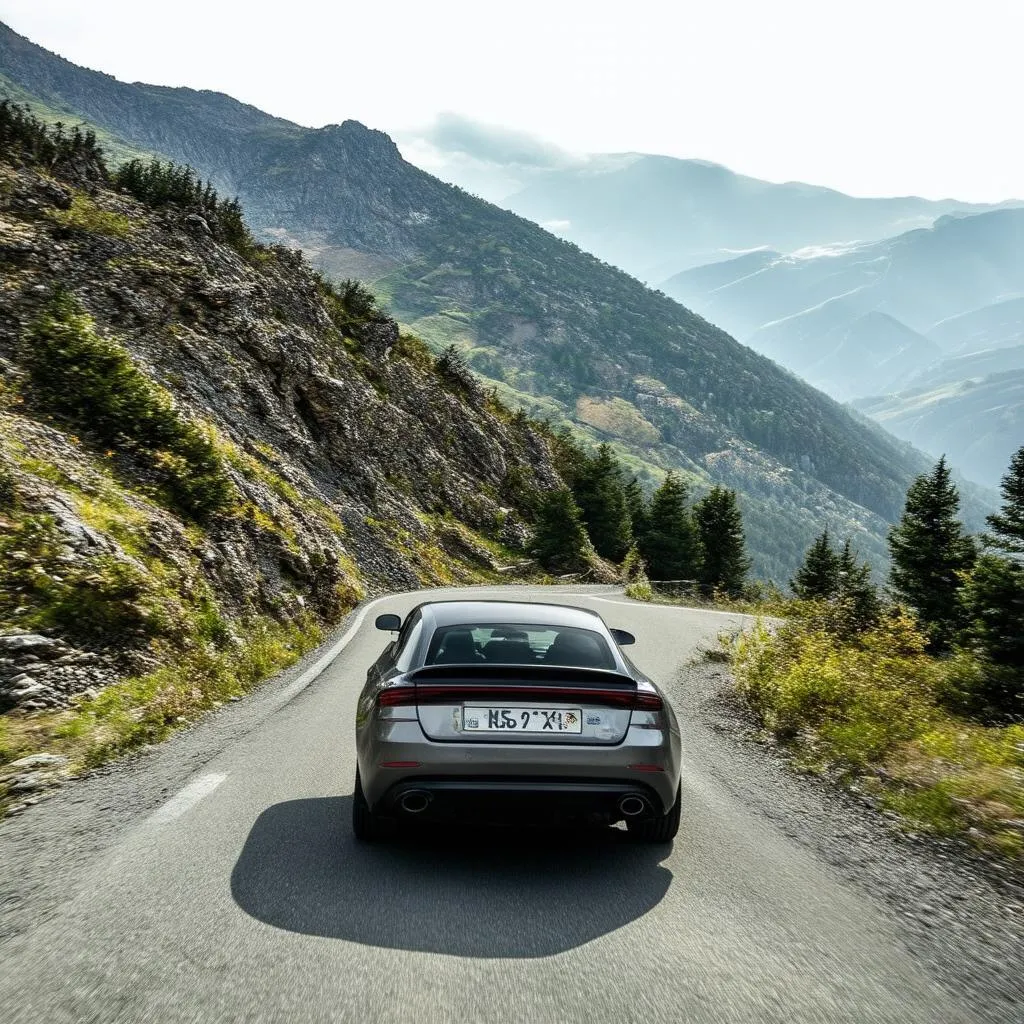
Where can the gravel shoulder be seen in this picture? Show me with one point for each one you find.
(961, 915)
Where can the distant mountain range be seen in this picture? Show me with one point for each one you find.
(556, 330)
(882, 317)
(657, 215)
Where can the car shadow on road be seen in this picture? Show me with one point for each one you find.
(498, 893)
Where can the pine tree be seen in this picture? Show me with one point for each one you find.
(993, 602)
(818, 578)
(1008, 523)
(671, 546)
(930, 552)
(602, 500)
(560, 538)
(719, 523)
(857, 591)
(636, 505)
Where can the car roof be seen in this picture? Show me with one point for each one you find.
(448, 613)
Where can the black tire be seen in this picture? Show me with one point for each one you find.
(662, 829)
(365, 824)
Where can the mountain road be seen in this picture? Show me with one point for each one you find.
(216, 879)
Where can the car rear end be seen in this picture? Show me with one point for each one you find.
(496, 743)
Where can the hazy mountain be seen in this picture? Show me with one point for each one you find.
(994, 326)
(654, 215)
(978, 422)
(794, 307)
(559, 331)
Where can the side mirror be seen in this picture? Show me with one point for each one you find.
(622, 638)
(389, 623)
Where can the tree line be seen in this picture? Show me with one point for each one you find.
(23, 133)
(672, 538)
(966, 592)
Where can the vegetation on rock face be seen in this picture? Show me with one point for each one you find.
(91, 383)
(162, 184)
(192, 439)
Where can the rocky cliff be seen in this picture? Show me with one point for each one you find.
(207, 453)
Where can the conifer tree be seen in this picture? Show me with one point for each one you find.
(818, 578)
(857, 590)
(993, 602)
(671, 546)
(560, 538)
(1008, 524)
(601, 497)
(636, 505)
(719, 523)
(930, 552)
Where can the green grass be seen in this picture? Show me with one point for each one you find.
(85, 215)
(146, 709)
(872, 707)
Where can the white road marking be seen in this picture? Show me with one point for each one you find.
(323, 663)
(186, 799)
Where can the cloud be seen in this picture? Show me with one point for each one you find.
(455, 134)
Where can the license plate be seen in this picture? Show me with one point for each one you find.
(549, 720)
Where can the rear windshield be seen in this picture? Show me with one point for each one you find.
(519, 644)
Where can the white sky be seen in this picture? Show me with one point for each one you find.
(874, 97)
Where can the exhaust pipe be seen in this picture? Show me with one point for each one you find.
(631, 806)
(414, 801)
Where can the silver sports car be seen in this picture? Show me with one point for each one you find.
(494, 711)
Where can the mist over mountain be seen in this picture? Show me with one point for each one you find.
(655, 215)
(557, 331)
(883, 318)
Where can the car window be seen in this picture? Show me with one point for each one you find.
(519, 644)
(408, 641)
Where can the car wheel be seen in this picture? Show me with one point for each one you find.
(662, 829)
(365, 823)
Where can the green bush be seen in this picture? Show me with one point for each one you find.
(91, 382)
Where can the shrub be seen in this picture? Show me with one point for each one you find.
(92, 383)
(24, 135)
(860, 699)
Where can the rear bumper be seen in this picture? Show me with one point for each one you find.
(495, 801)
(465, 769)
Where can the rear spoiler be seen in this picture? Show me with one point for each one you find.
(441, 684)
(540, 675)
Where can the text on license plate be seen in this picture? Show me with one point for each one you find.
(490, 719)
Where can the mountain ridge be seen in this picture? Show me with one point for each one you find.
(549, 324)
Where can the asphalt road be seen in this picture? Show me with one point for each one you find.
(242, 896)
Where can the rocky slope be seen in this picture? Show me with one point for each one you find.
(205, 456)
(561, 333)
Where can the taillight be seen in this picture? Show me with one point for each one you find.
(396, 696)
(645, 701)
(441, 693)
